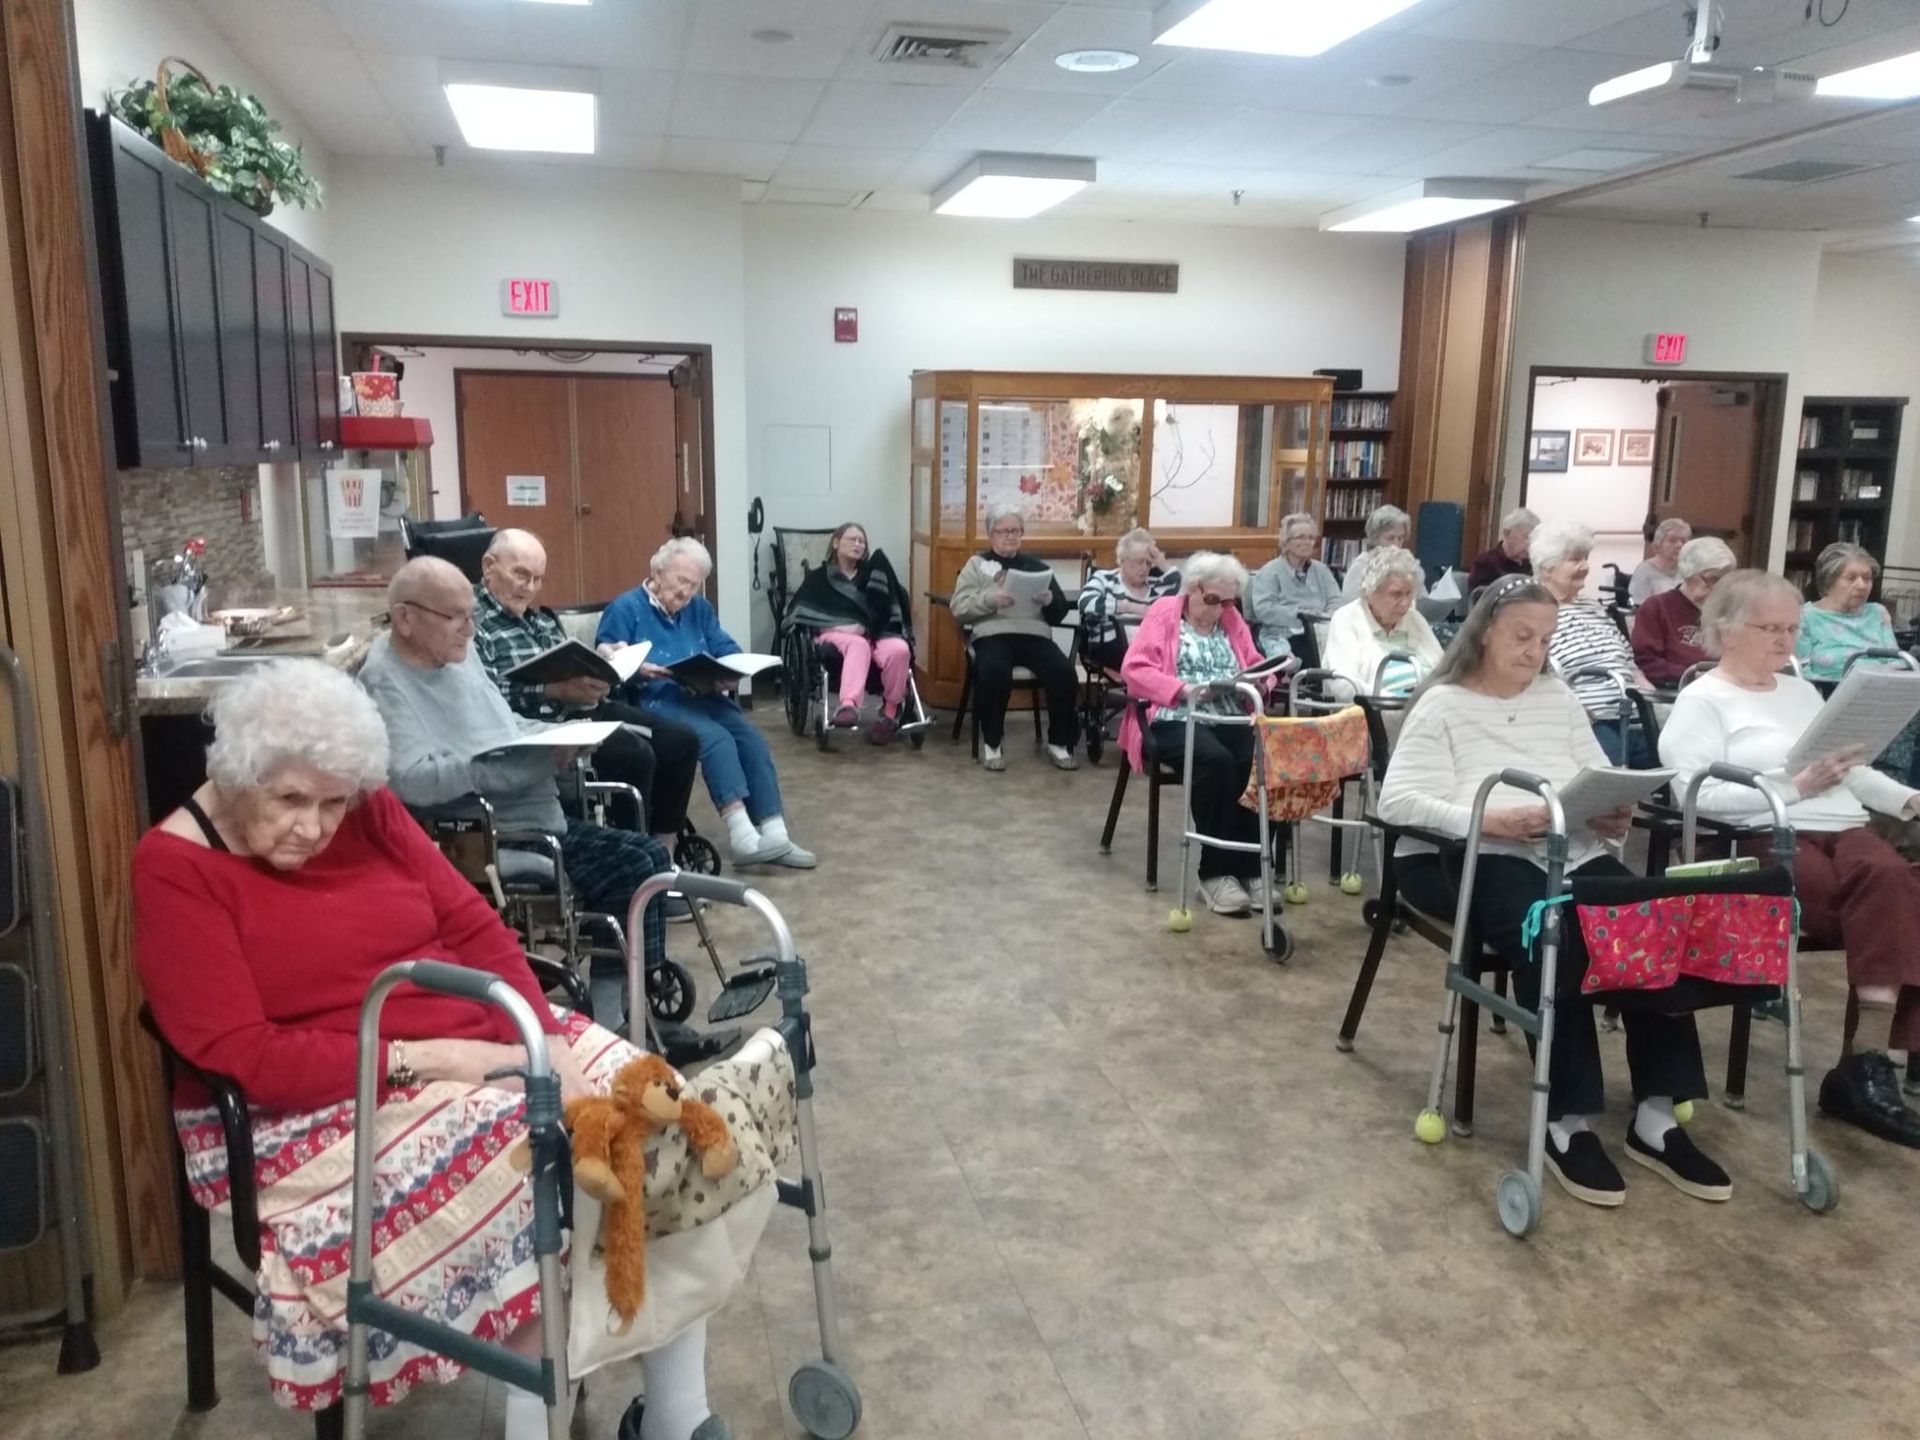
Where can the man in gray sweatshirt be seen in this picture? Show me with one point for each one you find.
(446, 723)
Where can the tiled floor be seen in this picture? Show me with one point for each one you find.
(1090, 1180)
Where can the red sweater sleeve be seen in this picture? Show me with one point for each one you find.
(472, 930)
(188, 950)
(1653, 644)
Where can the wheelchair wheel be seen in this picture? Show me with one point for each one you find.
(697, 853)
(824, 1400)
(1823, 1185)
(796, 678)
(669, 991)
(1096, 744)
(917, 739)
(1518, 1200)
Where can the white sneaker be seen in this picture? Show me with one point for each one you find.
(991, 758)
(1225, 895)
(1256, 889)
(1063, 758)
(763, 852)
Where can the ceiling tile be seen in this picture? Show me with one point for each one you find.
(645, 35)
(1270, 139)
(1532, 22)
(1017, 120)
(831, 167)
(274, 24)
(635, 102)
(720, 40)
(1132, 129)
(1388, 147)
(728, 107)
(853, 113)
(723, 157)
(1085, 27)
(1547, 81)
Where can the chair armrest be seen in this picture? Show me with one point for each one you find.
(1446, 844)
(609, 789)
(552, 975)
(461, 811)
(236, 1131)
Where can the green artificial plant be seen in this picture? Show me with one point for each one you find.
(233, 139)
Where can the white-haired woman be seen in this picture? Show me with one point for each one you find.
(1509, 555)
(1015, 630)
(1388, 527)
(1384, 622)
(1586, 637)
(1489, 706)
(668, 611)
(264, 908)
(1291, 582)
(1660, 571)
(1666, 628)
(1843, 621)
(1188, 643)
(1852, 885)
(1137, 579)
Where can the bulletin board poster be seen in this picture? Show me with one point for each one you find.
(353, 504)
(526, 490)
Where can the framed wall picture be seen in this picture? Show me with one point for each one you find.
(1593, 447)
(1636, 447)
(1547, 450)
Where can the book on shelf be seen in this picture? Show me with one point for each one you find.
(1340, 553)
(1812, 428)
(1849, 531)
(1859, 485)
(1355, 414)
(1865, 434)
(1357, 459)
(1800, 578)
(1806, 485)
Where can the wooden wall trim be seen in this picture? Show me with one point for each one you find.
(56, 344)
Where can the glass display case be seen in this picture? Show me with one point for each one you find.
(353, 509)
(1205, 462)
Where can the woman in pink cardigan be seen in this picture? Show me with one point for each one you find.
(1186, 643)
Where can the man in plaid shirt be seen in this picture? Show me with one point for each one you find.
(510, 629)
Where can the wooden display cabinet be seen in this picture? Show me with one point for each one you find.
(1205, 462)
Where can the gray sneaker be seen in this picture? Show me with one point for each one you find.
(712, 1428)
(1225, 895)
(764, 852)
(794, 858)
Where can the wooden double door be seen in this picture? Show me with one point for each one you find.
(589, 463)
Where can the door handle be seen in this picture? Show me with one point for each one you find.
(585, 510)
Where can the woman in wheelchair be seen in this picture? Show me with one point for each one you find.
(264, 909)
(669, 611)
(1487, 707)
(1586, 637)
(1188, 643)
(1122, 593)
(858, 607)
(1853, 887)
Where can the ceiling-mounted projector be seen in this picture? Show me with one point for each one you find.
(1698, 72)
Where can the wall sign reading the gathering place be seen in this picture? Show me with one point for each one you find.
(1129, 275)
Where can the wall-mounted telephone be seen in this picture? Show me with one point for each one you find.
(756, 522)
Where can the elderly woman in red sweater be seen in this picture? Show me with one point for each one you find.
(264, 908)
(1188, 645)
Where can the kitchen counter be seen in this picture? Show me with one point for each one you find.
(341, 625)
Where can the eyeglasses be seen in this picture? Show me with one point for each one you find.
(1002, 532)
(1212, 601)
(1776, 632)
(462, 621)
(521, 575)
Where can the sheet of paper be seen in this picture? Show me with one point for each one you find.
(582, 733)
(748, 663)
(1029, 584)
(1865, 713)
(1599, 791)
(627, 662)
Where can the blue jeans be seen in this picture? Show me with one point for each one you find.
(733, 755)
(1638, 754)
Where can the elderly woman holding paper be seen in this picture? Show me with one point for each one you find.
(669, 612)
(1853, 887)
(1489, 705)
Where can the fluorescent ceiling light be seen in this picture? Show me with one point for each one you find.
(1634, 82)
(1895, 79)
(1431, 202)
(505, 117)
(1269, 27)
(1012, 187)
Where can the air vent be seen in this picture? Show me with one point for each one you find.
(953, 46)
(1801, 172)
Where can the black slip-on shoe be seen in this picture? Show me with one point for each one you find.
(1682, 1164)
(1585, 1171)
(1864, 1090)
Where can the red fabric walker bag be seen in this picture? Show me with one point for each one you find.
(1724, 930)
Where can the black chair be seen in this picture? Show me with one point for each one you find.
(202, 1277)
(461, 542)
(1023, 678)
(1159, 773)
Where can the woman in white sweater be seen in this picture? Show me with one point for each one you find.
(1853, 886)
(1489, 706)
(1384, 622)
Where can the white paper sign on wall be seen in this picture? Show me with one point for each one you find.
(353, 504)
(526, 489)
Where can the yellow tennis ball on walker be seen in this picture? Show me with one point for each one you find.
(1683, 1112)
(1430, 1128)
(1351, 883)
(1179, 920)
(1297, 893)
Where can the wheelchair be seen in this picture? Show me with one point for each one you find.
(810, 685)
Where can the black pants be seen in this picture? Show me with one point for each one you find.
(1222, 760)
(662, 768)
(1663, 1051)
(1109, 654)
(994, 658)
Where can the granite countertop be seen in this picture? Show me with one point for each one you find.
(341, 625)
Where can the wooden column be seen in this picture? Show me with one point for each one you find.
(60, 552)
(1455, 347)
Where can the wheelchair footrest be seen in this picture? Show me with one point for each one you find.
(745, 992)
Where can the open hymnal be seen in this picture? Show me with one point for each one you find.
(1600, 790)
(704, 672)
(1864, 714)
(574, 660)
(578, 734)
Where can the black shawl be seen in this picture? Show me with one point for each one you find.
(820, 604)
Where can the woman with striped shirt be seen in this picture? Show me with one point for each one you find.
(1122, 593)
(1489, 705)
(1586, 638)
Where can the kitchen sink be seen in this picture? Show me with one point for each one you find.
(213, 667)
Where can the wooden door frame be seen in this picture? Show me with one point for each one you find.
(354, 344)
(1768, 420)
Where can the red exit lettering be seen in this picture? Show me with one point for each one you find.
(1669, 349)
(528, 297)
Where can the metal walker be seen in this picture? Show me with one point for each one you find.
(1274, 938)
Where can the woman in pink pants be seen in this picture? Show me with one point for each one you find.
(856, 603)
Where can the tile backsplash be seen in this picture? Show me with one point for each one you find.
(162, 509)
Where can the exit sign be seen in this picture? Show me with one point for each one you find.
(529, 298)
(1667, 349)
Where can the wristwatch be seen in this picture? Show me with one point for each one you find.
(400, 1075)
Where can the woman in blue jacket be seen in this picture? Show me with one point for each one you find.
(669, 611)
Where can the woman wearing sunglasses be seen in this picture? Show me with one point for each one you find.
(1188, 643)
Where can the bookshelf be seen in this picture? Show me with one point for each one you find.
(1360, 475)
(1842, 477)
